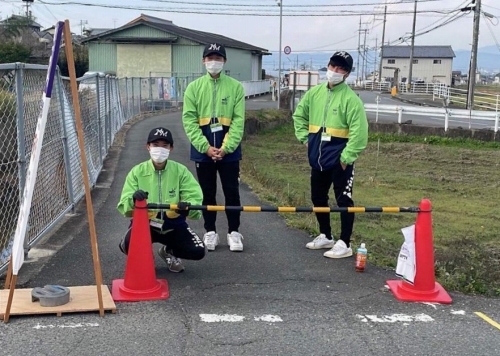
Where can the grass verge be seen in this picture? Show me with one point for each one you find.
(459, 176)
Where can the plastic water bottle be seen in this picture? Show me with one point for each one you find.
(361, 255)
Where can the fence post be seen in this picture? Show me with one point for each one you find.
(446, 120)
(110, 110)
(376, 114)
(126, 95)
(99, 126)
(132, 92)
(151, 108)
(106, 114)
(400, 115)
(140, 94)
(21, 144)
(66, 157)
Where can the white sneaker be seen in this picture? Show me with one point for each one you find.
(320, 242)
(211, 240)
(235, 241)
(339, 250)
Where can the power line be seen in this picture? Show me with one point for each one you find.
(256, 12)
(401, 2)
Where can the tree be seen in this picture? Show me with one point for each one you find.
(81, 56)
(15, 26)
(11, 52)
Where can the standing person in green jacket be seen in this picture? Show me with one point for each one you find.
(331, 121)
(163, 181)
(214, 118)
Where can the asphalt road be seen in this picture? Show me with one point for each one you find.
(275, 298)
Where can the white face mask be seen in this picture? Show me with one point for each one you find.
(334, 77)
(159, 154)
(214, 67)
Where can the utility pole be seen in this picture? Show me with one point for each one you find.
(28, 11)
(375, 66)
(82, 22)
(365, 59)
(473, 56)
(280, 4)
(359, 51)
(382, 45)
(410, 74)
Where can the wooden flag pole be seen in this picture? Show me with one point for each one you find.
(9, 275)
(10, 283)
(68, 46)
(13, 282)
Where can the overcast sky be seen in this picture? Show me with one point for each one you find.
(302, 34)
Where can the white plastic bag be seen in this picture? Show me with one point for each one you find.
(406, 267)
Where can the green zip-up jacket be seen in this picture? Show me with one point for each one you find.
(214, 115)
(171, 185)
(333, 123)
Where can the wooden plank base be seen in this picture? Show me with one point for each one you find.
(82, 299)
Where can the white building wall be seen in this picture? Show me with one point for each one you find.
(424, 70)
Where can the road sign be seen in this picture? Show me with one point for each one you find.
(287, 50)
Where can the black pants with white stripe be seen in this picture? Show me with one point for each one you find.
(181, 241)
(342, 180)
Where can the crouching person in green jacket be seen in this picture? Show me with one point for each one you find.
(163, 181)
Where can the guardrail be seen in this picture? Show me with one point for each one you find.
(482, 100)
(445, 113)
(256, 87)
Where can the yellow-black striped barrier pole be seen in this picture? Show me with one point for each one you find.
(289, 209)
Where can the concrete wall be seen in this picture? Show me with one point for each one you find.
(132, 61)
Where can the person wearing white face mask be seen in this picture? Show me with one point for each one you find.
(331, 121)
(214, 118)
(163, 181)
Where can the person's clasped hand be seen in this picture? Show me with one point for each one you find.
(183, 208)
(140, 195)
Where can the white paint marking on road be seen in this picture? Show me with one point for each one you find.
(71, 326)
(268, 318)
(395, 318)
(215, 318)
(458, 312)
(434, 305)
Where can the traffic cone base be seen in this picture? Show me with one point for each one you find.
(404, 292)
(424, 287)
(123, 294)
(140, 281)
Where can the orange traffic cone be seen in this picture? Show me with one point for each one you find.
(425, 288)
(140, 281)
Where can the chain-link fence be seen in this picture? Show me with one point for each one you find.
(106, 104)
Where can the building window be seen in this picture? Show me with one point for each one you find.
(391, 61)
(437, 61)
(415, 61)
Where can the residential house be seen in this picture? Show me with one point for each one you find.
(431, 64)
(152, 47)
(28, 32)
